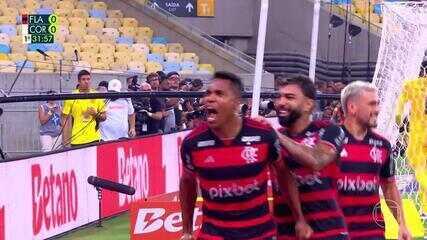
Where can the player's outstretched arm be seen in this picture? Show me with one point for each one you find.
(394, 203)
(323, 153)
(288, 185)
(187, 196)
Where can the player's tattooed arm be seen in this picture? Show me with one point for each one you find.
(320, 155)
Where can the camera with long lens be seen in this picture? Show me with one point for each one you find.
(133, 83)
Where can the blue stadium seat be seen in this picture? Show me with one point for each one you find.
(171, 67)
(188, 65)
(44, 11)
(125, 40)
(34, 46)
(160, 39)
(55, 47)
(28, 65)
(155, 57)
(8, 29)
(377, 9)
(341, 1)
(4, 48)
(96, 13)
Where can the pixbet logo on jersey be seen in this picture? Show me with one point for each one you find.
(233, 191)
(357, 184)
(55, 199)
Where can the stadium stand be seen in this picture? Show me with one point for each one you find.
(95, 31)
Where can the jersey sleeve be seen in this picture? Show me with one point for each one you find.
(388, 169)
(67, 107)
(186, 158)
(334, 136)
(274, 146)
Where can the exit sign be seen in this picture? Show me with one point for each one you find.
(187, 8)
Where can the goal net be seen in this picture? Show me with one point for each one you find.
(403, 115)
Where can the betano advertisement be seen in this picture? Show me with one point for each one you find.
(48, 195)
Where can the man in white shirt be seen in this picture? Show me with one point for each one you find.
(120, 122)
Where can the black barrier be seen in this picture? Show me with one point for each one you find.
(68, 96)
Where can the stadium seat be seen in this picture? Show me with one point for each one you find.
(18, 48)
(143, 39)
(5, 39)
(80, 13)
(82, 65)
(90, 47)
(138, 56)
(118, 67)
(114, 14)
(70, 47)
(136, 67)
(4, 57)
(160, 40)
(59, 38)
(173, 57)
(55, 47)
(78, 30)
(122, 47)
(190, 57)
(83, 5)
(63, 13)
(142, 48)
(97, 13)
(113, 23)
(377, 9)
(128, 31)
(34, 46)
(34, 57)
(46, 11)
(65, 5)
(8, 20)
(32, 6)
(130, 22)
(45, 67)
(145, 31)
(91, 39)
(99, 6)
(95, 23)
(107, 39)
(77, 22)
(110, 32)
(188, 66)
(89, 57)
(151, 67)
(72, 38)
(175, 47)
(171, 67)
(63, 30)
(125, 40)
(29, 66)
(206, 68)
(15, 39)
(100, 67)
(107, 48)
(17, 57)
(106, 57)
(48, 5)
(95, 31)
(11, 12)
(63, 22)
(8, 29)
(122, 57)
(7, 66)
(158, 48)
(155, 57)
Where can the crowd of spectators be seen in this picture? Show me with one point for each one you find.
(127, 118)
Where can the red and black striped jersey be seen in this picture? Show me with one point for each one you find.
(318, 192)
(233, 180)
(364, 164)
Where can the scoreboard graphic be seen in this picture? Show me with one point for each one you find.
(40, 28)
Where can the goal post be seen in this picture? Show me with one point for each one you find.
(402, 94)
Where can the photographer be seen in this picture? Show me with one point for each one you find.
(142, 107)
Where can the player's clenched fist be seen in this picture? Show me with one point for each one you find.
(187, 236)
(303, 230)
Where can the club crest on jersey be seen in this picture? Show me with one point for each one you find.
(250, 154)
(376, 154)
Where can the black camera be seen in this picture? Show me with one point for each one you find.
(133, 83)
(198, 114)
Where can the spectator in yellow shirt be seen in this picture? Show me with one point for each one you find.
(81, 116)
